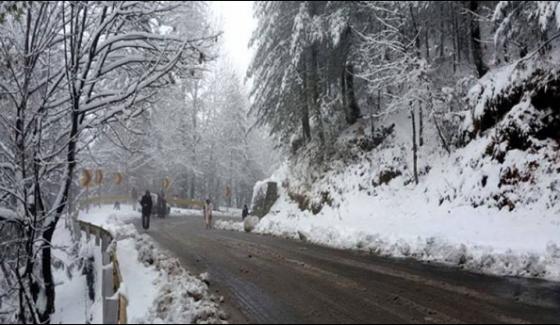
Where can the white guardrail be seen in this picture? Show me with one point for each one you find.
(114, 307)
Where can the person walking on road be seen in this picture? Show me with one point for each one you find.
(146, 204)
(207, 212)
(161, 205)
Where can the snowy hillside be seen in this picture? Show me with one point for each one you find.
(490, 206)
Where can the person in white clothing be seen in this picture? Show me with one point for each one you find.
(207, 213)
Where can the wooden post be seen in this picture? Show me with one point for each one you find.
(123, 304)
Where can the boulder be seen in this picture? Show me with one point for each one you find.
(265, 195)
(250, 223)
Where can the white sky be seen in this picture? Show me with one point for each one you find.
(238, 24)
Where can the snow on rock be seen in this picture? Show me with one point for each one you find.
(250, 223)
(259, 190)
(264, 196)
(158, 288)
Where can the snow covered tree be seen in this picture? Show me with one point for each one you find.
(318, 64)
(306, 50)
(524, 25)
(278, 99)
(69, 69)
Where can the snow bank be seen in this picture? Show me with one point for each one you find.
(229, 225)
(483, 241)
(247, 225)
(174, 297)
(451, 217)
(221, 213)
(158, 289)
(114, 221)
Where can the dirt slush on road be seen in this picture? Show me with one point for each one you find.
(273, 280)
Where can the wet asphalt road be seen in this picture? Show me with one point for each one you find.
(272, 280)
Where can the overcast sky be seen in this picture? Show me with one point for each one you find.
(238, 23)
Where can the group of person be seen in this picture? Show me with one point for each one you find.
(146, 205)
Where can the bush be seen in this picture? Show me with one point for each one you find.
(301, 199)
(385, 176)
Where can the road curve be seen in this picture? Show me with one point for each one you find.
(272, 280)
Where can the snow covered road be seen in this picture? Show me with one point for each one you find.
(272, 280)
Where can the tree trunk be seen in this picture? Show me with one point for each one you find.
(313, 82)
(378, 109)
(349, 103)
(193, 186)
(46, 256)
(194, 119)
(343, 92)
(306, 128)
(352, 109)
(414, 147)
(459, 38)
(455, 40)
(442, 33)
(312, 90)
(481, 67)
(427, 43)
(230, 181)
(420, 126)
(46, 260)
(440, 134)
(415, 30)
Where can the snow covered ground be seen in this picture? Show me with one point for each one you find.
(158, 289)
